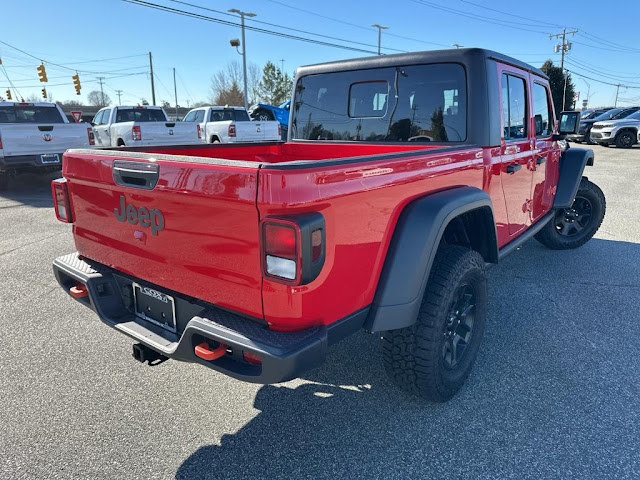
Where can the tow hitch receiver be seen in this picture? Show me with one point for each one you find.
(143, 354)
(206, 353)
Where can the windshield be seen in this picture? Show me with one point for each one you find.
(623, 114)
(417, 103)
(634, 116)
(140, 115)
(594, 114)
(30, 114)
(608, 114)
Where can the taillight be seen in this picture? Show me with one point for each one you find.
(0, 142)
(199, 132)
(293, 248)
(232, 130)
(136, 133)
(92, 138)
(61, 202)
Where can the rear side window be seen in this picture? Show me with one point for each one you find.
(514, 107)
(29, 114)
(416, 103)
(98, 118)
(541, 111)
(199, 117)
(139, 115)
(191, 117)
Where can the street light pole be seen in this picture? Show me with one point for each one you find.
(244, 51)
(380, 28)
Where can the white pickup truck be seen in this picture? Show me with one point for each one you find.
(141, 125)
(231, 124)
(33, 137)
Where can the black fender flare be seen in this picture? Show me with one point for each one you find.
(413, 247)
(572, 163)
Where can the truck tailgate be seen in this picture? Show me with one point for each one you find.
(168, 133)
(255, 131)
(31, 139)
(195, 232)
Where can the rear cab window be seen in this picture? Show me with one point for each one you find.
(30, 114)
(139, 115)
(415, 103)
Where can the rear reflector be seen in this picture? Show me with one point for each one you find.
(251, 358)
(61, 203)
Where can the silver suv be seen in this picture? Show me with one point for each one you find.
(622, 132)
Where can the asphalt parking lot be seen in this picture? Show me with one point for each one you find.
(555, 392)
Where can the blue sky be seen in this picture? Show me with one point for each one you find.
(82, 34)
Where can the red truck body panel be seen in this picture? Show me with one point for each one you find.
(209, 248)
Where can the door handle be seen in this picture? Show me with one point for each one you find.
(513, 168)
(540, 160)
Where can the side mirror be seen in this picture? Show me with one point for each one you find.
(539, 126)
(569, 122)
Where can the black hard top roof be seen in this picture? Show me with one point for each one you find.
(459, 55)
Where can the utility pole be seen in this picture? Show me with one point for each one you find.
(282, 65)
(564, 47)
(615, 104)
(153, 87)
(175, 91)
(244, 50)
(457, 45)
(380, 28)
(100, 79)
(119, 93)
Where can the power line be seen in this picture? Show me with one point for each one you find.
(355, 25)
(281, 26)
(248, 27)
(573, 72)
(596, 72)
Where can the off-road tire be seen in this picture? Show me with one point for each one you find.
(625, 139)
(415, 357)
(551, 235)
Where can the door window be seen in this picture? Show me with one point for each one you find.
(541, 111)
(191, 116)
(98, 117)
(514, 107)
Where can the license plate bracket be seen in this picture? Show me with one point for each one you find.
(50, 158)
(154, 306)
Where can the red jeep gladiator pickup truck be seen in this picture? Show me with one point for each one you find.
(404, 176)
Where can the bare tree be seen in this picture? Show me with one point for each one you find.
(98, 99)
(230, 78)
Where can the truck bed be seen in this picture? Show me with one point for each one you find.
(213, 198)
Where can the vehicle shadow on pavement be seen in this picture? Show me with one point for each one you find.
(545, 395)
(29, 189)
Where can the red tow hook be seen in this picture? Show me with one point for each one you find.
(79, 291)
(204, 351)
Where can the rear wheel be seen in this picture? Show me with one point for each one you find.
(433, 357)
(574, 226)
(625, 139)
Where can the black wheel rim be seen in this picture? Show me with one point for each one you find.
(573, 221)
(459, 327)
(626, 140)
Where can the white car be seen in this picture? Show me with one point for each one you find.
(231, 124)
(140, 125)
(33, 137)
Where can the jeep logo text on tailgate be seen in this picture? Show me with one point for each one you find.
(143, 216)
